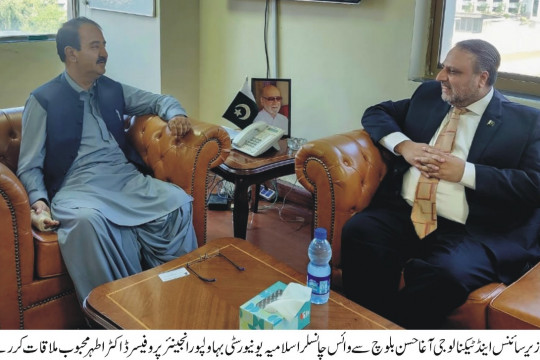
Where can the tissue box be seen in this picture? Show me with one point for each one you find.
(252, 317)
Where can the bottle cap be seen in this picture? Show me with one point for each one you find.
(320, 233)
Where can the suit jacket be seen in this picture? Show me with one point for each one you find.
(504, 209)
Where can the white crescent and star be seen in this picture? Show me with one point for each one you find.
(237, 111)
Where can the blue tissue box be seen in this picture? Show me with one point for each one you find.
(253, 317)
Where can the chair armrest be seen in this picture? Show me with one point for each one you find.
(49, 261)
(473, 313)
(10, 136)
(184, 161)
(16, 244)
(342, 172)
(517, 306)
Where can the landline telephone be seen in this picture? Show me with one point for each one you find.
(257, 138)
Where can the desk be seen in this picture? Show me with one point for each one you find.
(143, 301)
(244, 170)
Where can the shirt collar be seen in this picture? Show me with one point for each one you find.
(74, 85)
(480, 106)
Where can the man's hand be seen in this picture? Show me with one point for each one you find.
(40, 207)
(410, 151)
(179, 126)
(439, 164)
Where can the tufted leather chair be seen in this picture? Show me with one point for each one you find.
(35, 290)
(343, 172)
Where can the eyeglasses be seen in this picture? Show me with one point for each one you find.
(206, 257)
(272, 98)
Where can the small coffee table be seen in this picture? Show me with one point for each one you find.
(144, 301)
(244, 170)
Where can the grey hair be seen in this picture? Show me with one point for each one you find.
(487, 57)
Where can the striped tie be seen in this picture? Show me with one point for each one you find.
(424, 210)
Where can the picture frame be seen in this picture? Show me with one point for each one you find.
(134, 7)
(268, 111)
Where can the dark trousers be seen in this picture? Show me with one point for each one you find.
(439, 270)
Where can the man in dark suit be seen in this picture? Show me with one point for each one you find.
(486, 221)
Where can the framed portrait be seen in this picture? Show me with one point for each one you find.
(273, 97)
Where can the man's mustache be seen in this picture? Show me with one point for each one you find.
(102, 59)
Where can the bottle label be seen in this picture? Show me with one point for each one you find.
(319, 285)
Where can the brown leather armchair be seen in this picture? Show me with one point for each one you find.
(343, 172)
(36, 291)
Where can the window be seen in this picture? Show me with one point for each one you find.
(32, 19)
(513, 26)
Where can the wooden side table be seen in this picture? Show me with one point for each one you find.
(244, 170)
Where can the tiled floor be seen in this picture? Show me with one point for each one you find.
(283, 231)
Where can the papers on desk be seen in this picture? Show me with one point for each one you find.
(173, 274)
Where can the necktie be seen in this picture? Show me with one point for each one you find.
(424, 210)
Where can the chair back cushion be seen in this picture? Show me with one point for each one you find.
(10, 136)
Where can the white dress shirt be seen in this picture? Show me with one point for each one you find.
(279, 120)
(451, 200)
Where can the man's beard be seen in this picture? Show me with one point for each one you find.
(457, 98)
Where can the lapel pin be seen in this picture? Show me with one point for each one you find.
(490, 123)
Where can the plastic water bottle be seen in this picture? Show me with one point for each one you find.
(319, 271)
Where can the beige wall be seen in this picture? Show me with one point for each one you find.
(341, 58)
(23, 67)
(133, 44)
(135, 51)
(180, 52)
